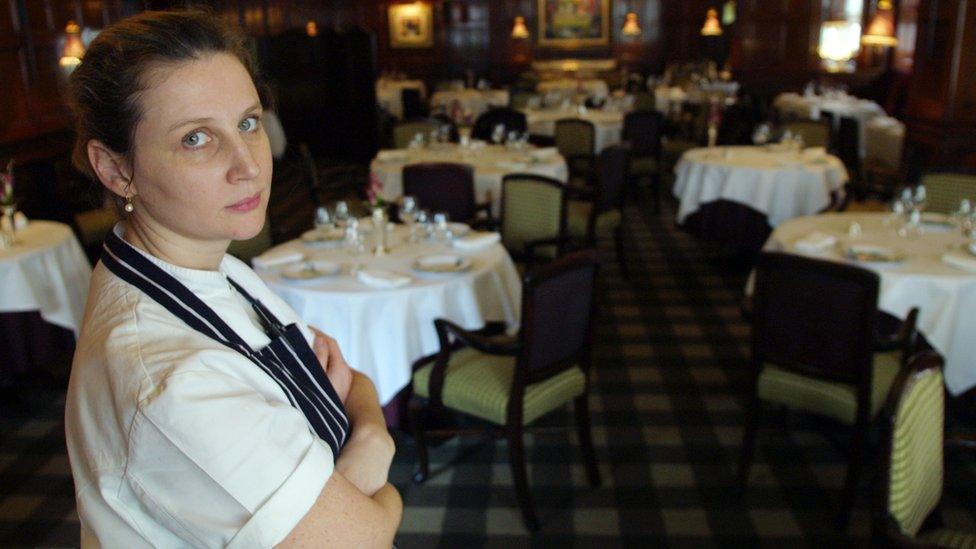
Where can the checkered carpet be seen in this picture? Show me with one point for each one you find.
(668, 389)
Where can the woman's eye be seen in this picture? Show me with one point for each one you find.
(197, 139)
(249, 124)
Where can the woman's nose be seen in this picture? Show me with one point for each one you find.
(245, 162)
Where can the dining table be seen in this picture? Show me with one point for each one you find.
(931, 265)
(736, 195)
(468, 103)
(490, 162)
(389, 93)
(46, 273)
(810, 106)
(381, 308)
(568, 87)
(608, 124)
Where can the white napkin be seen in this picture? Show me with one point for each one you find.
(20, 222)
(960, 261)
(511, 166)
(391, 155)
(814, 153)
(815, 243)
(277, 257)
(544, 153)
(377, 278)
(477, 241)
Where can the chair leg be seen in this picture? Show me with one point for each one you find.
(417, 430)
(581, 408)
(618, 239)
(516, 459)
(748, 442)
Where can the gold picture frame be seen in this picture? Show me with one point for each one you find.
(411, 25)
(574, 23)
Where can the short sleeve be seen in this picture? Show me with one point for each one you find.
(218, 463)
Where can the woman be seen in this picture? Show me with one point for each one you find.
(201, 411)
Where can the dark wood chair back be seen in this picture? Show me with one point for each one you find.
(442, 187)
(643, 130)
(511, 119)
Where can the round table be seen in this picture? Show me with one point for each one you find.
(383, 331)
(45, 274)
(944, 294)
(607, 124)
(773, 183)
(490, 162)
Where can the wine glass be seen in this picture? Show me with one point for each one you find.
(498, 134)
(919, 198)
(408, 213)
(442, 231)
(323, 219)
(341, 214)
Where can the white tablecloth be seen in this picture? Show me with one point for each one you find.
(388, 93)
(884, 138)
(46, 272)
(781, 185)
(382, 332)
(608, 124)
(471, 102)
(810, 106)
(945, 295)
(592, 87)
(491, 163)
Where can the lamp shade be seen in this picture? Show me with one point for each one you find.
(711, 27)
(881, 29)
(519, 30)
(631, 26)
(839, 40)
(74, 48)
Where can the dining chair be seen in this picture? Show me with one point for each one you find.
(533, 217)
(599, 211)
(404, 132)
(814, 133)
(907, 513)
(816, 349)
(847, 147)
(445, 187)
(413, 104)
(511, 119)
(945, 190)
(830, 119)
(738, 123)
(575, 140)
(642, 132)
(512, 382)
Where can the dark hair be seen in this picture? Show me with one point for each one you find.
(105, 88)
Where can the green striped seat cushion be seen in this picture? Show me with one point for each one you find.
(831, 399)
(478, 384)
(578, 216)
(531, 211)
(946, 190)
(916, 476)
(950, 538)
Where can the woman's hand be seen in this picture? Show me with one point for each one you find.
(336, 368)
(366, 458)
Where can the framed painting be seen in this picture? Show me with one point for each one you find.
(411, 25)
(574, 23)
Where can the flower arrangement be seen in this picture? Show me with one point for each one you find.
(7, 185)
(373, 190)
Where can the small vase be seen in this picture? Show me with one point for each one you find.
(379, 231)
(9, 226)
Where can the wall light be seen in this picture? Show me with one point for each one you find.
(881, 29)
(711, 26)
(519, 30)
(631, 25)
(74, 49)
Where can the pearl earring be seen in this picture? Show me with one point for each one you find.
(128, 207)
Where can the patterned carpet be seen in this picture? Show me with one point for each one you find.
(668, 388)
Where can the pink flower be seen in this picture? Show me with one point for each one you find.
(373, 188)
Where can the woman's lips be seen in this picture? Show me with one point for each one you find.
(247, 204)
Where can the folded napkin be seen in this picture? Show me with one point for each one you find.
(510, 165)
(477, 241)
(814, 153)
(884, 121)
(544, 153)
(815, 243)
(958, 260)
(384, 280)
(391, 155)
(20, 222)
(277, 257)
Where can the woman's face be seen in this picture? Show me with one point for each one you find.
(201, 163)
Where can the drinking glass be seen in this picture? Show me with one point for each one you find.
(323, 219)
(498, 134)
(442, 231)
(353, 240)
(919, 198)
(341, 215)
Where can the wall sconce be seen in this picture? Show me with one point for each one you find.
(631, 25)
(312, 29)
(519, 30)
(881, 29)
(728, 13)
(711, 26)
(73, 49)
(839, 44)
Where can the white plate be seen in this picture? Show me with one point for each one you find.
(459, 229)
(868, 253)
(937, 223)
(322, 236)
(311, 270)
(442, 263)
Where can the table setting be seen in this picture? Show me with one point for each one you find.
(465, 105)
(491, 163)
(810, 105)
(378, 291)
(608, 122)
(925, 260)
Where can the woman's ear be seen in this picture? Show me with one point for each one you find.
(110, 167)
